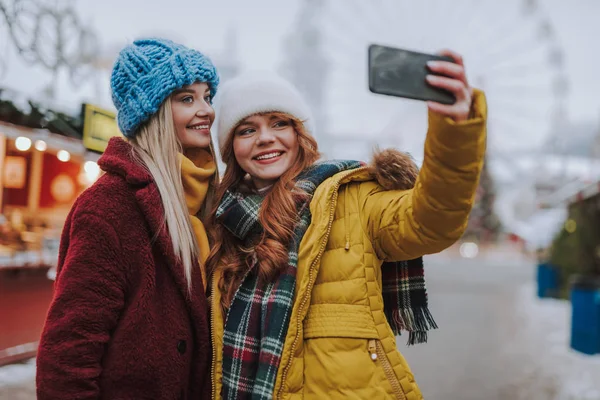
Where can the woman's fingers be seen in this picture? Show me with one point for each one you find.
(457, 87)
(451, 76)
(448, 69)
(453, 55)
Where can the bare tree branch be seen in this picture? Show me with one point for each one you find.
(51, 36)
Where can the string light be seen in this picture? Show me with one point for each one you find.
(40, 145)
(63, 155)
(23, 143)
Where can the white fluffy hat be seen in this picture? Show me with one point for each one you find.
(257, 92)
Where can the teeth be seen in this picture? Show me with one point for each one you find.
(198, 127)
(268, 156)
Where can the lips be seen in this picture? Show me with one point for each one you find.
(199, 127)
(268, 156)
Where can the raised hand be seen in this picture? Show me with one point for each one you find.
(455, 81)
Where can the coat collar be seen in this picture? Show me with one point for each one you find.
(118, 159)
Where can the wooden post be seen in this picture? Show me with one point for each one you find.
(35, 182)
(2, 156)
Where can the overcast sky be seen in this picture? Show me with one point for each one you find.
(262, 25)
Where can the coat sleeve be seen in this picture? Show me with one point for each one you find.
(88, 301)
(430, 217)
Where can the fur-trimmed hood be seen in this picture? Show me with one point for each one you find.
(393, 169)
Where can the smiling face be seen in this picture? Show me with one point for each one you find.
(265, 147)
(193, 115)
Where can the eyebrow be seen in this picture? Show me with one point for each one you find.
(248, 123)
(184, 90)
(275, 116)
(252, 123)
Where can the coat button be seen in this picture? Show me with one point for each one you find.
(181, 346)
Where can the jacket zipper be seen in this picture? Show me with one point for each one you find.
(310, 277)
(212, 339)
(377, 353)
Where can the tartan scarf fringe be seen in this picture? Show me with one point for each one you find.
(416, 321)
(405, 302)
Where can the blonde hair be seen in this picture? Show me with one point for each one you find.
(157, 147)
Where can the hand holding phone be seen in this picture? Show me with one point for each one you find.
(451, 77)
(438, 79)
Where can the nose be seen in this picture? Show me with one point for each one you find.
(204, 110)
(265, 136)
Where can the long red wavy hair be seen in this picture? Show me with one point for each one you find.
(278, 217)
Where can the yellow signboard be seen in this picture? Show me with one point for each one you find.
(99, 125)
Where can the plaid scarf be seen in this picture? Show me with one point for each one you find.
(258, 317)
(405, 299)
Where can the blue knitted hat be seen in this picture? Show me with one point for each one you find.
(147, 72)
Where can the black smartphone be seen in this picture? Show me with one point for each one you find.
(401, 73)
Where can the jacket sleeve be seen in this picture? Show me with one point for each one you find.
(430, 217)
(88, 300)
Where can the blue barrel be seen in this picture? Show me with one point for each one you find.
(547, 280)
(585, 324)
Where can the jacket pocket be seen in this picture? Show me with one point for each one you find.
(378, 356)
(338, 360)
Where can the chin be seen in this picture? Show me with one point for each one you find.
(272, 176)
(199, 144)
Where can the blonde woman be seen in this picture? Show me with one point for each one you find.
(129, 315)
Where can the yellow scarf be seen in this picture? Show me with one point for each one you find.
(197, 170)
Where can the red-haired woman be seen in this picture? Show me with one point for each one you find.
(317, 265)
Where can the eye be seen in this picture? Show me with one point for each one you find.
(187, 99)
(246, 132)
(208, 99)
(281, 124)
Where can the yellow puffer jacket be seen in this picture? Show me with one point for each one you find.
(338, 323)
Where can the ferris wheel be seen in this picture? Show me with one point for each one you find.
(510, 51)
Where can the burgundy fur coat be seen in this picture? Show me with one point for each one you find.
(122, 324)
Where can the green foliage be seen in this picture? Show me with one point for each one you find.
(575, 248)
(484, 225)
(38, 117)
